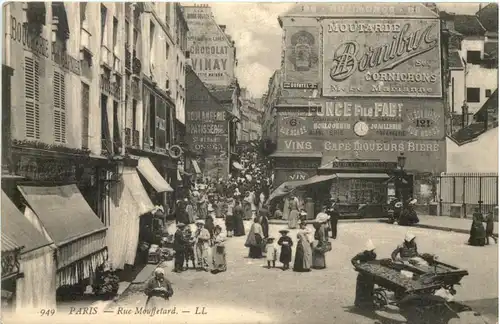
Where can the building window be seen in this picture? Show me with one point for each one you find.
(115, 36)
(104, 14)
(473, 95)
(59, 91)
(167, 12)
(32, 97)
(151, 41)
(474, 57)
(487, 93)
(85, 115)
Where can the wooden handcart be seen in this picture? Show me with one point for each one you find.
(412, 287)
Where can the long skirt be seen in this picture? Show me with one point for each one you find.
(247, 210)
(318, 259)
(286, 254)
(477, 234)
(364, 291)
(256, 250)
(299, 265)
(293, 219)
(239, 227)
(219, 258)
(229, 223)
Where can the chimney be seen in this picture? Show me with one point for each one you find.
(223, 27)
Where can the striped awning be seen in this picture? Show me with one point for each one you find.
(66, 217)
(155, 179)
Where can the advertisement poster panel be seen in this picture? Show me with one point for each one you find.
(301, 58)
(382, 57)
(365, 118)
(211, 53)
(206, 131)
(422, 155)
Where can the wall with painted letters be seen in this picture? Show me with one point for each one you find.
(212, 53)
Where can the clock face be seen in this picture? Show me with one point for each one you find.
(361, 128)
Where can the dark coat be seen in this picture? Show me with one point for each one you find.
(179, 241)
(286, 250)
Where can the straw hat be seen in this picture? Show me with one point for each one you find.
(409, 237)
(369, 246)
(284, 231)
(200, 222)
(398, 204)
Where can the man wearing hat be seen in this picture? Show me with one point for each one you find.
(202, 245)
(179, 247)
(334, 217)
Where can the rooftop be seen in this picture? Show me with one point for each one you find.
(455, 61)
(468, 25)
(488, 16)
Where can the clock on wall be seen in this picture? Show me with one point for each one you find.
(361, 128)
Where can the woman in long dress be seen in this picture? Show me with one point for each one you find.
(247, 207)
(286, 208)
(364, 284)
(219, 251)
(254, 240)
(158, 290)
(477, 231)
(303, 253)
(293, 218)
(190, 211)
(239, 227)
(320, 241)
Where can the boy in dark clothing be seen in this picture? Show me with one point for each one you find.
(179, 248)
(286, 244)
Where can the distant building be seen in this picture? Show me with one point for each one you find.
(251, 118)
(473, 62)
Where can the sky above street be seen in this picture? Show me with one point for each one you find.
(255, 29)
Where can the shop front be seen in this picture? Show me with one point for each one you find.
(21, 272)
(63, 215)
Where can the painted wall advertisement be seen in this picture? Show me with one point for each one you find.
(301, 58)
(206, 131)
(387, 58)
(211, 53)
(365, 118)
(422, 155)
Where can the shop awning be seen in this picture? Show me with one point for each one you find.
(237, 166)
(317, 179)
(284, 189)
(80, 236)
(17, 231)
(362, 175)
(155, 179)
(296, 155)
(133, 184)
(196, 167)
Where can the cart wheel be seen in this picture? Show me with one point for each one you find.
(379, 298)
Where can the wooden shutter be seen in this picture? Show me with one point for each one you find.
(85, 115)
(59, 107)
(32, 97)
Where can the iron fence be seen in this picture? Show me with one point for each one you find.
(470, 190)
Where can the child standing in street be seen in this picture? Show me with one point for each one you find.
(271, 252)
(286, 244)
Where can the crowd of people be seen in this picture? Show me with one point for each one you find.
(479, 235)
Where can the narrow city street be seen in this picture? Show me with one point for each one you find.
(250, 293)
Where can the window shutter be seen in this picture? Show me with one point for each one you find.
(32, 97)
(59, 108)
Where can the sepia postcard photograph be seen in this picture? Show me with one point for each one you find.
(249, 162)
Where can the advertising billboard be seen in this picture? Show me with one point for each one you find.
(301, 58)
(422, 155)
(206, 131)
(381, 57)
(365, 118)
(211, 52)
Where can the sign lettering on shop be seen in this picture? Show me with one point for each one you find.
(41, 47)
(291, 145)
(374, 57)
(363, 165)
(367, 119)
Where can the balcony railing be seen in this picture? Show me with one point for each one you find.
(85, 39)
(106, 56)
(136, 63)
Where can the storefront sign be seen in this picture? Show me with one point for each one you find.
(298, 175)
(43, 169)
(297, 85)
(382, 57)
(208, 143)
(422, 155)
(212, 54)
(362, 165)
(367, 118)
(296, 163)
(342, 10)
(301, 55)
(42, 47)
